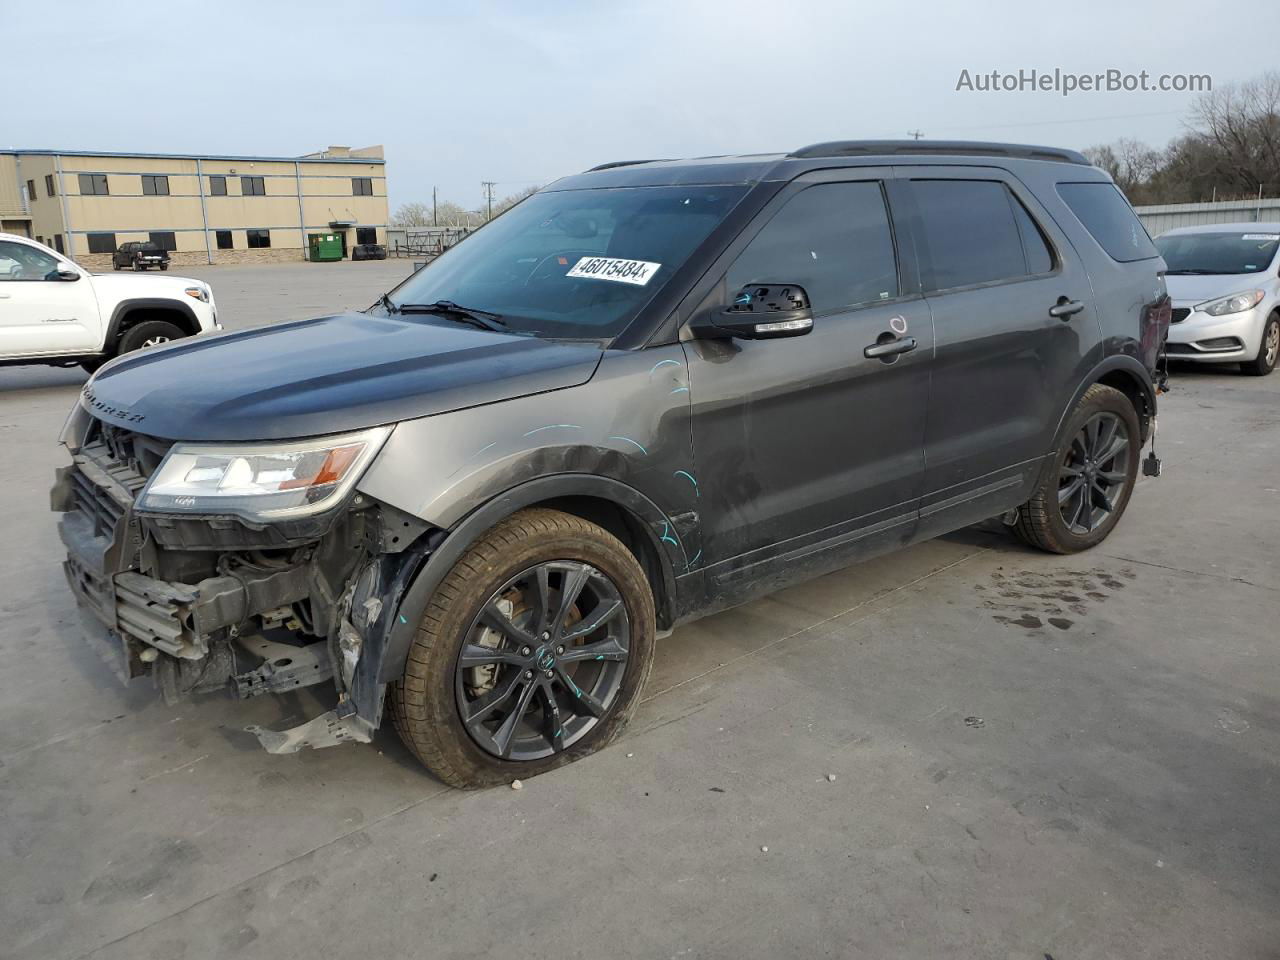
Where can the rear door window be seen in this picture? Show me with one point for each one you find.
(970, 234)
(1106, 214)
(833, 239)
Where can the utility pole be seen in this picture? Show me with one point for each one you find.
(914, 134)
(434, 221)
(487, 186)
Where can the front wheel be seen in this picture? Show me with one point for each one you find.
(1268, 350)
(1080, 500)
(532, 652)
(149, 333)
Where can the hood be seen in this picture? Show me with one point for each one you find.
(327, 375)
(162, 281)
(1187, 291)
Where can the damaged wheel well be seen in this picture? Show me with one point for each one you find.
(1128, 384)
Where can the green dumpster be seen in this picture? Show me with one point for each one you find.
(324, 246)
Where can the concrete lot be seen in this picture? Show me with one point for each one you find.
(1033, 756)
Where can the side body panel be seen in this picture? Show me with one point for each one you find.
(629, 423)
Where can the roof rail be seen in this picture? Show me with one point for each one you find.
(621, 163)
(968, 148)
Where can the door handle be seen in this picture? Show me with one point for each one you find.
(878, 351)
(1065, 309)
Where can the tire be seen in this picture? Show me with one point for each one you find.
(92, 366)
(137, 267)
(115, 265)
(1081, 461)
(426, 704)
(1268, 350)
(164, 266)
(149, 333)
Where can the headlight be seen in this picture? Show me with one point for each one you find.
(264, 481)
(1236, 303)
(199, 293)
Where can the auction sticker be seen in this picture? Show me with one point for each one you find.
(1261, 236)
(637, 272)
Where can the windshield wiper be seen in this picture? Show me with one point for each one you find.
(1194, 273)
(484, 319)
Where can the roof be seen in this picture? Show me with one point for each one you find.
(1241, 226)
(248, 158)
(752, 168)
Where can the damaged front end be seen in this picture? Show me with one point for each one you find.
(203, 602)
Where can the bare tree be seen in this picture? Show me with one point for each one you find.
(1242, 122)
(1131, 164)
(412, 215)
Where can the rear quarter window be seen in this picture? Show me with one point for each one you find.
(1109, 219)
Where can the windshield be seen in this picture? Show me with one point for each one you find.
(1209, 253)
(574, 264)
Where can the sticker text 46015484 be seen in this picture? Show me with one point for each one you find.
(637, 272)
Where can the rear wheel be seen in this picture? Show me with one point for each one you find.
(1268, 351)
(532, 652)
(1081, 499)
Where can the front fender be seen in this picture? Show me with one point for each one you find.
(622, 437)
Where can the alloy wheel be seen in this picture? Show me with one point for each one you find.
(1094, 473)
(543, 661)
(1272, 344)
(154, 341)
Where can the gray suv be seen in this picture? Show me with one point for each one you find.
(646, 393)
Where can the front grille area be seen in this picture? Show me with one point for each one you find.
(1180, 314)
(104, 488)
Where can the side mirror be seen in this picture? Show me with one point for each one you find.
(63, 272)
(760, 311)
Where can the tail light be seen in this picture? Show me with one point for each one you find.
(1156, 317)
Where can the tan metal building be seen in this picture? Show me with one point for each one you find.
(204, 209)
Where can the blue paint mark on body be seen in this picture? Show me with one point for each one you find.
(689, 476)
(553, 426)
(633, 443)
(660, 363)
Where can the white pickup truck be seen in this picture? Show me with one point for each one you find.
(52, 311)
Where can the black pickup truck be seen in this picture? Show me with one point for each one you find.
(140, 255)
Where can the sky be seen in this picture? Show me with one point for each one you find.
(523, 93)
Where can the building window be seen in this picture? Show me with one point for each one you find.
(218, 186)
(102, 243)
(362, 186)
(154, 186)
(48, 184)
(258, 238)
(164, 239)
(57, 243)
(94, 185)
(253, 186)
(366, 234)
(224, 240)
(31, 190)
